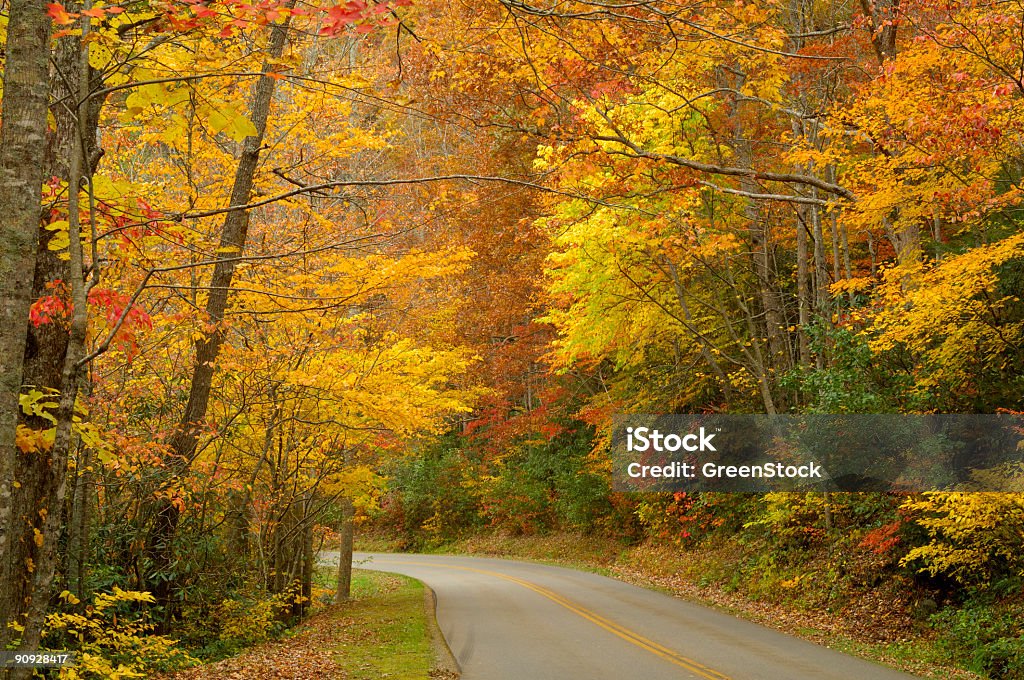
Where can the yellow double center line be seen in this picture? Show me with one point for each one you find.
(610, 626)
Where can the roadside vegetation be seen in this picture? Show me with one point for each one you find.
(381, 633)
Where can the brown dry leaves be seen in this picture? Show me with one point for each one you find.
(308, 655)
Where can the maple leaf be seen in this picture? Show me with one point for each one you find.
(59, 14)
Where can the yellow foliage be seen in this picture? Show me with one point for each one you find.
(111, 644)
(252, 621)
(852, 285)
(949, 314)
(973, 536)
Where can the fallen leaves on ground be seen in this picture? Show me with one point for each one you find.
(306, 655)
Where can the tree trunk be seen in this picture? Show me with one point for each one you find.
(22, 144)
(46, 345)
(803, 293)
(55, 480)
(881, 16)
(345, 533)
(308, 561)
(78, 525)
(183, 442)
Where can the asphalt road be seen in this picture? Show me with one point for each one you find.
(507, 620)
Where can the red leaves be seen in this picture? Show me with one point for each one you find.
(112, 305)
(235, 15)
(364, 17)
(883, 539)
(203, 12)
(340, 16)
(48, 309)
(101, 12)
(51, 307)
(56, 308)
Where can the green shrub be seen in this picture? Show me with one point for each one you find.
(519, 502)
(433, 496)
(987, 639)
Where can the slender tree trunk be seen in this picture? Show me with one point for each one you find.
(803, 293)
(775, 356)
(345, 532)
(799, 20)
(871, 253)
(821, 280)
(22, 144)
(822, 295)
(803, 290)
(183, 442)
(72, 515)
(881, 15)
(836, 255)
(844, 237)
(308, 560)
(78, 527)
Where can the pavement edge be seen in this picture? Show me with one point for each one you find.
(446, 667)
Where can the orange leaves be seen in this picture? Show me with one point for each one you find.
(883, 539)
(175, 496)
(29, 440)
(101, 12)
(62, 17)
(59, 14)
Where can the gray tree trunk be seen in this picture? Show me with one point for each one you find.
(54, 483)
(881, 15)
(45, 346)
(22, 144)
(345, 531)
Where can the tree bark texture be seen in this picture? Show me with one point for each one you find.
(22, 144)
(345, 531)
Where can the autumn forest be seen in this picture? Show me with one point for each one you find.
(270, 270)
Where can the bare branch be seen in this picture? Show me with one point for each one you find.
(766, 197)
(398, 181)
(712, 169)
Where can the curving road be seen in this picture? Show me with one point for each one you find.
(507, 620)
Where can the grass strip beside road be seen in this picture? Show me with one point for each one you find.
(382, 632)
(386, 635)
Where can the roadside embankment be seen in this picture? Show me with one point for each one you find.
(383, 631)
